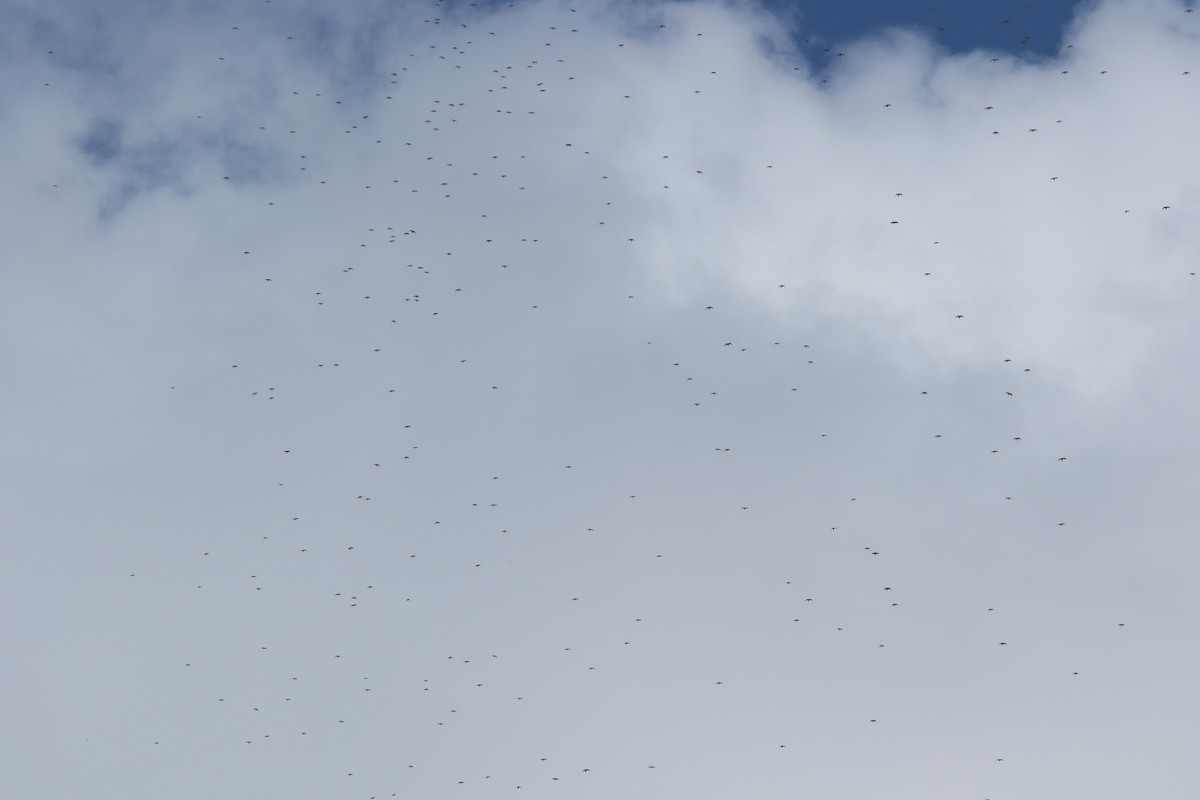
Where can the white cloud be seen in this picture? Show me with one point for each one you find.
(504, 229)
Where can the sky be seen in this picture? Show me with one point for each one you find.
(1031, 29)
(618, 399)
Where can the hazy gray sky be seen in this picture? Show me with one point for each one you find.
(547, 403)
